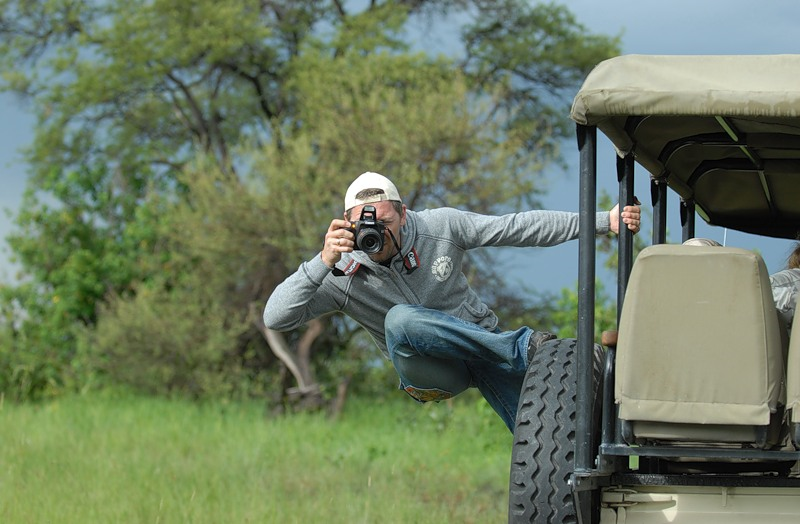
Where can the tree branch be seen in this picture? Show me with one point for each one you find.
(279, 347)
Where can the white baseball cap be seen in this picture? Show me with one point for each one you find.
(385, 190)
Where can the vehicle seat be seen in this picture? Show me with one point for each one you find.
(793, 381)
(700, 355)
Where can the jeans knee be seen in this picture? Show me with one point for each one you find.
(404, 324)
(399, 317)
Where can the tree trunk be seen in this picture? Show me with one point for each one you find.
(308, 394)
(341, 396)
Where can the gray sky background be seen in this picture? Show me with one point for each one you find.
(646, 26)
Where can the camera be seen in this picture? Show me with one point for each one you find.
(369, 231)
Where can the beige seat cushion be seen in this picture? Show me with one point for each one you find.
(699, 341)
(793, 371)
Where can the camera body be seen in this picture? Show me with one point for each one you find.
(369, 231)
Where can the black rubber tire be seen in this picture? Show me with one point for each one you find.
(544, 436)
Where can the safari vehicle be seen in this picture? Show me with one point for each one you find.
(690, 411)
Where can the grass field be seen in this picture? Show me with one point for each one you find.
(125, 459)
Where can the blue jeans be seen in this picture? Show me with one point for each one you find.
(437, 356)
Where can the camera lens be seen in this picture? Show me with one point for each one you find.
(369, 241)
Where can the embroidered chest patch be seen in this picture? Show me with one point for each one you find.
(442, 268)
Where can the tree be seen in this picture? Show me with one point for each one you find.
(284, 98)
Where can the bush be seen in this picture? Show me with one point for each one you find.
(167, 342)
(34, 355)
(25, 375)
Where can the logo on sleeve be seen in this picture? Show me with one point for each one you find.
(350, 269)
(442, 268)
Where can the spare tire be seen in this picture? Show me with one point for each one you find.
(542, 458)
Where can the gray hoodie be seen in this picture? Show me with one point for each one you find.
(784, 290)
(428, 272)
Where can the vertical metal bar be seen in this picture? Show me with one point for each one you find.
(625, 177)
(587, 146)
(687, 220)
(658, 195)
(610, 432)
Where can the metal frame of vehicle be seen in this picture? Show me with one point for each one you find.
(698, 125)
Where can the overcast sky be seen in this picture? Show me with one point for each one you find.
(646, 27)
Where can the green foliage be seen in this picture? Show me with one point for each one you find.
(187, 157)
(74, 258)
(37, 343)
(187, 329)
(25, 374)
(168, 342)
(565, 314)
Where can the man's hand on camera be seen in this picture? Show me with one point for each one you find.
(339, 239)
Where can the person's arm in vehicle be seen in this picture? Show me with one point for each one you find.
(784, 292)
(540, 228)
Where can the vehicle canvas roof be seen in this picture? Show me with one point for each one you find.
(723, 131)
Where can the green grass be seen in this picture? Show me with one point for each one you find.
(126, 459)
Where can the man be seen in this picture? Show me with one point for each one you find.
(413, 298)
(785, 284)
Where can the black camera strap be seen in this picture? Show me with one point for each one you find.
(411, 260)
